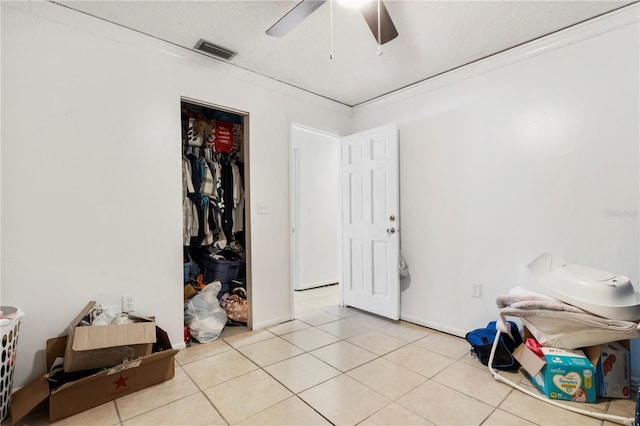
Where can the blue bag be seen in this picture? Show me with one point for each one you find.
(481, 341)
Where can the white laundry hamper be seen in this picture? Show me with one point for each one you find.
(10, 326)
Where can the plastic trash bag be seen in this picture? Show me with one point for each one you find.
(236, 307)
(403, 268)
(203, 314)
(104, 314)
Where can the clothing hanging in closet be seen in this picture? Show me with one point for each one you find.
(213, 198)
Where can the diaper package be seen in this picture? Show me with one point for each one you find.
(564, 374)
(613, 371)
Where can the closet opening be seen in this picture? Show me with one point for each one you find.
(216, 226)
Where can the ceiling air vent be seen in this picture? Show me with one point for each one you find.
(212, 49)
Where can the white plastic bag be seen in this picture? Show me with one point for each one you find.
(403, 268)
(104, 314)
(204, 315)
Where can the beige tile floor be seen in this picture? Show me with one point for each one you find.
(332, 365)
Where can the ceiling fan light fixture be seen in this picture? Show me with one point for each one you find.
(374, 12)
(214, 50)
(354, 4)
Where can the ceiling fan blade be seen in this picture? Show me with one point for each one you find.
(294, 17)
(388, 29)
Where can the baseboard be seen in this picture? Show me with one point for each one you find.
(181, 345)
(634, 380)
(315, 285)
(434, 325)
(271, 322)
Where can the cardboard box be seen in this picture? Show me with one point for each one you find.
(563, 374)
(76, 396)
(613, 370)
(106, 345)
(189, 292)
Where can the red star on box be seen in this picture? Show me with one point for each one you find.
(121, 382)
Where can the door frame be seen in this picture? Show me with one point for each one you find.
(247, 192)
(293, 210)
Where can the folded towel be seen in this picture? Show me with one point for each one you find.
(558, 324)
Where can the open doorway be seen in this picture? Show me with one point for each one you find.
(316, 223)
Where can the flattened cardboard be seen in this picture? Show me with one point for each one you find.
(28, 397)
(106, 336)
(74, 397)
(106, 345)
(528, 360)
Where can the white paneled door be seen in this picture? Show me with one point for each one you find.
(370, 240)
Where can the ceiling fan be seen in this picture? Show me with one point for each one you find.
(369, 11)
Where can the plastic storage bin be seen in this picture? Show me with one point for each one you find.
(10, 326)
(217, 269)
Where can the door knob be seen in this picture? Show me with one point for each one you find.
(391, 230)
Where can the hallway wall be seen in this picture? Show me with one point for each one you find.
(317, 207)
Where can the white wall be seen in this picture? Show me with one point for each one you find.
(317, 231)
(91, 179)
(532, 150)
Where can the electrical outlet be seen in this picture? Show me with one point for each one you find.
(475, 289)
(129, 303)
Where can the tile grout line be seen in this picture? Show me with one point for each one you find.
(342, 373)
(214, 407)
(345, 372)
(377, 357)
(202, 391)
(455, 360)
(294, 394)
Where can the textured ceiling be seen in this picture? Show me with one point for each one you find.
(434, 37)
